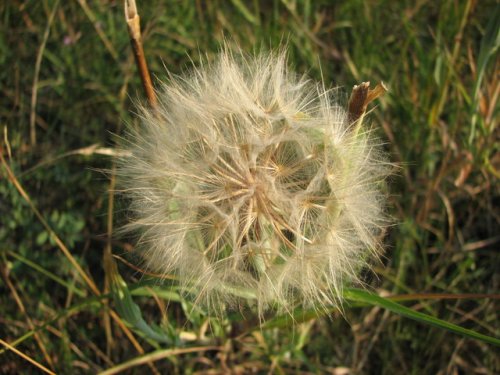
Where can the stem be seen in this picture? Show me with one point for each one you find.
(134, 30)
(38, 63)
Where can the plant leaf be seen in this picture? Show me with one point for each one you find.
(128, 309)
(363, 296)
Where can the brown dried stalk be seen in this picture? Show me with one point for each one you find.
(134, 31)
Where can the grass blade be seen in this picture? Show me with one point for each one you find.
(129, 310)
(362, 296)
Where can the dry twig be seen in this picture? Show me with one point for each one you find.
(134, 30)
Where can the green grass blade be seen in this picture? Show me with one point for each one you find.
(150, 291)
(50, 275)
(131, 313)
(362, 296)
(245, 12)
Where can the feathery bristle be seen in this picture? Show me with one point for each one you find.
(248, 180)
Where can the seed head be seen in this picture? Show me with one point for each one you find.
(249, 181)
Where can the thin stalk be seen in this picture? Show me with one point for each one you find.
(29, 359)
(134, 30)
(38, 64)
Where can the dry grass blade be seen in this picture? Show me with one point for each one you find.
(24, 356)
(38, 63)
(94, 149)
(107, 257)
(144, 271)
(155, 356)
(91, 16)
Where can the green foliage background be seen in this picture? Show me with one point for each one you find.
(439, 121)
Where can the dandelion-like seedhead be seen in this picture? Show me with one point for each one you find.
(250, 181)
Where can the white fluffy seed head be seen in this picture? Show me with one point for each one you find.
(249, 183)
